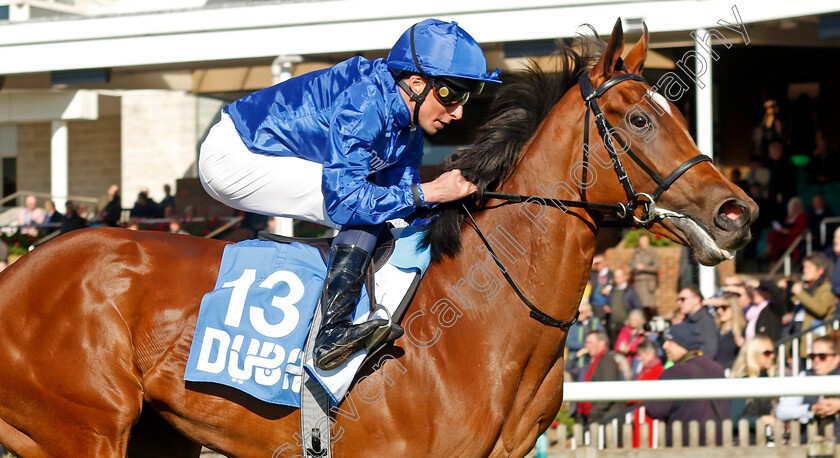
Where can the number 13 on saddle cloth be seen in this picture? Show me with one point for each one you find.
(252, 327)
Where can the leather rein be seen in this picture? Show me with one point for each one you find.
(624, 211)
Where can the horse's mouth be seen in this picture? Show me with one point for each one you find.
(695, 236)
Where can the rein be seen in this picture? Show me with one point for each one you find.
(624, 211)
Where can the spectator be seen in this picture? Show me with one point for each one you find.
(765, 216)
(758, 174)
(83, 211)
(51, 216)
(30, 217)
(823, 166)
(254, 223)
(690, 302)
(645, 266)
(816, 215)
(647, 366)
(757, 358)
(602, 367)
(825, 359)
(622, 299)
(783, 183)
(814, 291)
(631, 335)
(783, 234)
(730, 323)
(144, 207)
(682, 345)
(175, 227)
(72, 220)
(770, 129)
(112, 212)
(764, 316)
(601, 281)
(737, 179)
(832, 253)
(585, 324)
(167, 201)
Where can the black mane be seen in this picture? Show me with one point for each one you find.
(520, 106)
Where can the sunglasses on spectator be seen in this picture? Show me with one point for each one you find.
(721, 307)
(680, 299)
(769, 353)
(820, 356)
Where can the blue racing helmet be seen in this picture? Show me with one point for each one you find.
(441, 49)
(446, 56)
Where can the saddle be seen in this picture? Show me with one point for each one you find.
(384, 245)
(384, 248)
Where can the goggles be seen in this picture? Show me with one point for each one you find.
(448, 94)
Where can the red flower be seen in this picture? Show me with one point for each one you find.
(205, 231)
(658, 236)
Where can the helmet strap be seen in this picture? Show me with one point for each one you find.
(417, 98)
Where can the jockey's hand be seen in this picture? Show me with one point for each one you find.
(448, 187)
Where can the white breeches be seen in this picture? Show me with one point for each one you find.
(260, 183)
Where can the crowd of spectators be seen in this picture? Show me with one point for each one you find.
(735, 333)
(35, 222)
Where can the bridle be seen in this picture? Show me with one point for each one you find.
(608, 133)
(624, 211)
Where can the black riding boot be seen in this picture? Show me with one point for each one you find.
(338, 337)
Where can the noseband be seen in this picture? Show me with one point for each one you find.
(624, 211)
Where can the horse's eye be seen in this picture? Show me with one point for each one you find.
(639, 121)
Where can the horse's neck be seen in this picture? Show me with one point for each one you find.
(546, 250)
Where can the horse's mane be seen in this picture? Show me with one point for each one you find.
(520, 106)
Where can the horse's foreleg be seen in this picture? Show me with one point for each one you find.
(533, 415)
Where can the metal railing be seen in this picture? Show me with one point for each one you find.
(42, 195)
(612, 433)
(824, 227)
(795, 340)
(785, 261)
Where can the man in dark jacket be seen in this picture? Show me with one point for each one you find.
(602, 367)
(601, 281)
(72, 220)
(682, 345)
(622, 300)
(691, 305)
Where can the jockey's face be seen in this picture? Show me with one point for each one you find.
(434, 115)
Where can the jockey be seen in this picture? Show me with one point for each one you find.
(339, 147)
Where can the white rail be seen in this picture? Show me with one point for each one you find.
(658, 390)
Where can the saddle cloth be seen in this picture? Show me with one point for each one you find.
(252, 327)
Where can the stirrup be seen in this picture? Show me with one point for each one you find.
(383, 334)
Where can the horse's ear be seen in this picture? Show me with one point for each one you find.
(635, 60)
(604, 68)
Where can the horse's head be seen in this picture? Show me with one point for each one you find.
(695, 204)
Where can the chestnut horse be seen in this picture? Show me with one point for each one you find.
(97, 325)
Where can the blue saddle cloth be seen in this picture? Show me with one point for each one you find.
(252, 327)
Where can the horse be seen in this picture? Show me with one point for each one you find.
(97, 324)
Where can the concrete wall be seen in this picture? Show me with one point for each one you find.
(94, 162)
(33, 163)
(161, 133)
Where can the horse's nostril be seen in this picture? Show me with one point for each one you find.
(731, 210)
